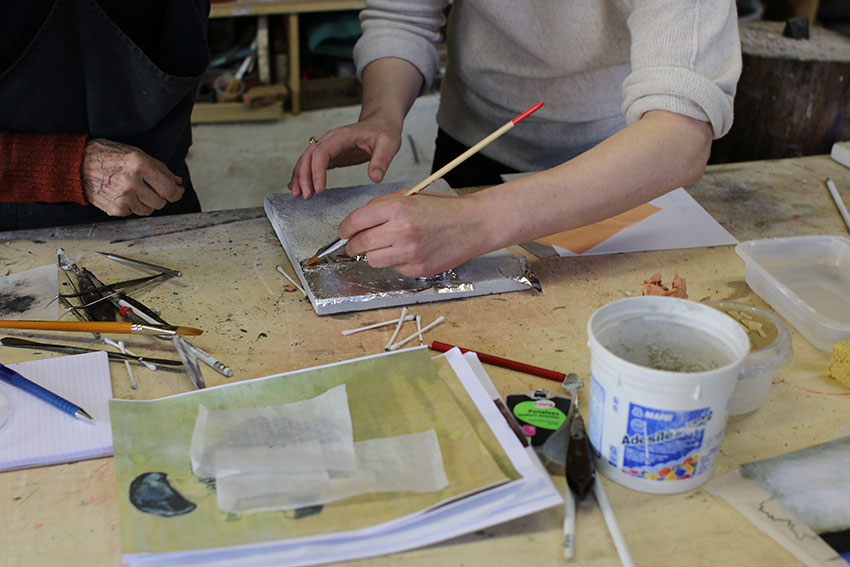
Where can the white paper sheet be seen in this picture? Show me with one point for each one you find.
(30, 294)
(38, 433)
(681, 223)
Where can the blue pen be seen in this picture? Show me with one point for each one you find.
(15, 379)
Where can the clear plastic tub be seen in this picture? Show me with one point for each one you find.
(770, 349)
(806, 279)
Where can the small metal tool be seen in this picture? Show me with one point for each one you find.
(140, 264)
(190, 362)
(70, 349)
(91, 299)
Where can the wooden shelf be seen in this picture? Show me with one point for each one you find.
(276, 7)
(289, 9)
(209, 112)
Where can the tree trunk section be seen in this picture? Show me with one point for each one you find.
(793, 98)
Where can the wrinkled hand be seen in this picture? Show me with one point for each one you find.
(373, 140)
(122, 180)
(421, 235)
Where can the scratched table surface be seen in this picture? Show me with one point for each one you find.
(66, 514)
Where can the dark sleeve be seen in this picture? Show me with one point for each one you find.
(41, 168)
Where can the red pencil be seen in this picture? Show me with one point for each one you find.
(503, 362)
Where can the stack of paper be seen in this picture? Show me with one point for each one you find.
(37, 433)
(171, 516)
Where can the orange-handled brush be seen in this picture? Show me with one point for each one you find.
(340, 242)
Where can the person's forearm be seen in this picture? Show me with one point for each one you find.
(658, 153)
(41, 168)
(390, 87)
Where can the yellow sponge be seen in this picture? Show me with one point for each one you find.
(839, 365)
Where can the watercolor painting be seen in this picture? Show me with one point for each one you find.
(164, 507)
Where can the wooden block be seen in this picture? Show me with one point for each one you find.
(263, 95)
(793, 98)
(208, 112)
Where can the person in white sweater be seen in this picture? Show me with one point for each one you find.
(635, 91)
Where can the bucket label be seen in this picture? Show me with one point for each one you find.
(662, 444)
(540, 413)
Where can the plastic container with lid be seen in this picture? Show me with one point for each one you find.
(770, 349)
(662, 373)
(806, 279)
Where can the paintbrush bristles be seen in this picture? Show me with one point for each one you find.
(188, 331)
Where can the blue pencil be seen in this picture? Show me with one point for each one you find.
(15, 379)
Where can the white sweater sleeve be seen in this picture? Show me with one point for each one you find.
(685, 58)
(406, 29)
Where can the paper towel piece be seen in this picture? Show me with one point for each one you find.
(291, 433)
(402, 463)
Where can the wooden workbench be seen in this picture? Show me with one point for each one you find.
(66, 514)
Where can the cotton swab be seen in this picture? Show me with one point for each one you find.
(397, 327)
(376, 325)
(401, 343)
(838, 201)
(569, 524)
(419, 329)
(613, 525)
(120, 346)
(298, 287)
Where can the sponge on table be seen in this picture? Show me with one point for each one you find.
(839, 365)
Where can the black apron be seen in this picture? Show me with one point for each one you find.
(81, 74)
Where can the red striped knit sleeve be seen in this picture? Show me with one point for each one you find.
(41, 168)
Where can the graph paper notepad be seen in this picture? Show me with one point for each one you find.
(36, 433)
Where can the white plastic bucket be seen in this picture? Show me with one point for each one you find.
(662, 373)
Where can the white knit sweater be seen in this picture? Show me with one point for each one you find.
(597, 64)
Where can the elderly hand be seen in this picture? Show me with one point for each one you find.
(122, 180)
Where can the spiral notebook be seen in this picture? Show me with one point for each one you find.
(36, 433)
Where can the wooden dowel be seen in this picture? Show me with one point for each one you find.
(474, 149)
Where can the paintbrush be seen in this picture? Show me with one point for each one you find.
(340, 242)
(119, 327)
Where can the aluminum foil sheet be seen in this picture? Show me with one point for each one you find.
(340, 284)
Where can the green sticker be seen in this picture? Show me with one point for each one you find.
(543, 415)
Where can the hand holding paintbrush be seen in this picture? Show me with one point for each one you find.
(339, 243)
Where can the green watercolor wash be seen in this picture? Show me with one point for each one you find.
(139, 458)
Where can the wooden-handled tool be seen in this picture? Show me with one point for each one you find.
(340, 242)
